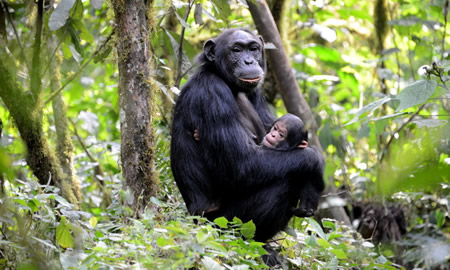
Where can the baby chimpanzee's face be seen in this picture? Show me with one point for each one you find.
(277, 134)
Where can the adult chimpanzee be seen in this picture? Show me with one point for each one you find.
(225, 172)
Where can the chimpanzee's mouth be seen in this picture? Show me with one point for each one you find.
(251, 80)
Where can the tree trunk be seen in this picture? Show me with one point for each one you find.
(135, 99)
(290, 91)
(23, 109)
(70, 186)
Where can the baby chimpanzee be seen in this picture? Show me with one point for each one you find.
(286, 133)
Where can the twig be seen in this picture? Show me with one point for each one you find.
(10, 20)
(180, 46)
(80, 140)
(55, 93)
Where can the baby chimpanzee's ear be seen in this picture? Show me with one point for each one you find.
(303, 144)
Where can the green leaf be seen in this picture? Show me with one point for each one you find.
(248, 229)
(60, 15)
(237, 220)
(93, 221)
(63, 235)
(84, 33)
(223, 9)
(161, 242)
(222, 222)
(316, 228)
(99, 234)
(340, 254)
(34, 205)
(369, 108)
(440, 218)
(416, 93)
(334, 235)
(201, 236)
(22, 202)
(324, 243)
(329, 224)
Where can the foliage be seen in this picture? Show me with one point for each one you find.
(383, 116)
(58, 237)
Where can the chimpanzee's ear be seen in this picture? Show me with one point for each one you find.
(263, 58)
(210, 50)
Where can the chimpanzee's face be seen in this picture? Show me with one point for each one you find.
(239, 57)
(276, 136)
(244, 54)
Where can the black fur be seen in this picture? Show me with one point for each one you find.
(224, 172)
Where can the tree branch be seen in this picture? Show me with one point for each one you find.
(180, 46)
(35, 71)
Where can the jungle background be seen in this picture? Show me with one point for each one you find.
(87, 90)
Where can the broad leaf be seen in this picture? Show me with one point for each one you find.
(340, 254)
(429, 123)
(222, 222)
(369, 108)
(60, 14)
(248, 230)
(316, 228)
(416, 93)
(63, 235)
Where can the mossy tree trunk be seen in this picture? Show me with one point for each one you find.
(136, 94)
(70, 186)
(25, 106)
(24, 109)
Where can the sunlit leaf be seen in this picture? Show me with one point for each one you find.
(93, 221)
(416, 93)
(323, 243)
(222, 222)
(201, 236)
(248, 229)
(60, 15)
(329, 224)
(63, 235)
(340, 254)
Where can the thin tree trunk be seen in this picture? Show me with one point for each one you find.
(293, 99)
(70, 186)
(135, 99)
(290, 91)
